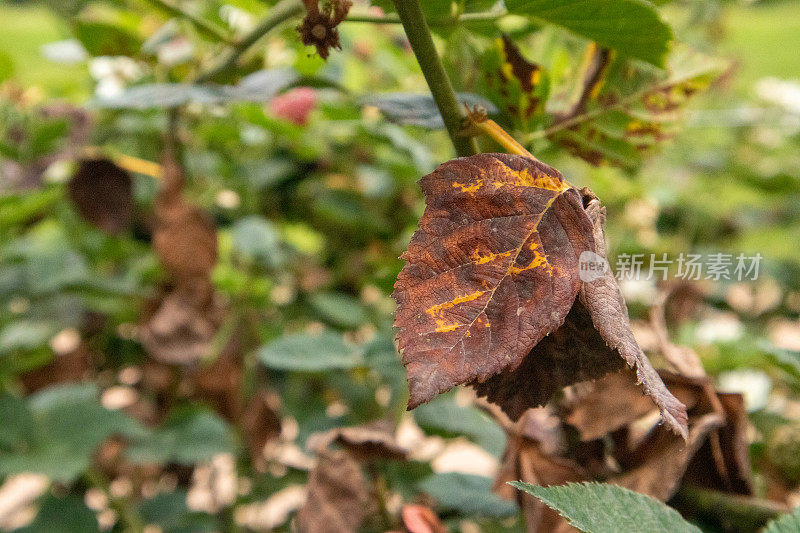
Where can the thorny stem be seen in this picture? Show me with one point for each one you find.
(419, 36)
(203, 26)
(280, 12)
(464, 18)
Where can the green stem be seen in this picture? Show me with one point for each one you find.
(464, 18)
(280, 12)
(742, 512)
(419, 36)
(203, 26)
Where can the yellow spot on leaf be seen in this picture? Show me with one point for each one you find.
(468, 188)
(488, 258)
(437, 309)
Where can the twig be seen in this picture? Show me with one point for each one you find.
(203, 26)
(280, 12)
(743, 512)
(464, 18)
(441, 88)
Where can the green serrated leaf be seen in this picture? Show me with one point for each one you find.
(606, 508)
(310, 353)
(632, 27)
(468, 494)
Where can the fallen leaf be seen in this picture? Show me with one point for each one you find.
(376, 440)
(261, 422)
(103, 195)
(338, 499)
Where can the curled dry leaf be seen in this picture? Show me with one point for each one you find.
(182, 327)
(181, 330)
(319, 27)
(103, 194)
(338, 499)
(488, 295)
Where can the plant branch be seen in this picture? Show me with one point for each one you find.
(464, 18)
(441, 88)
(280, 12)
(746, 513)
(203, 26)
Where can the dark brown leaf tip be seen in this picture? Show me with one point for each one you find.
(491, 293)
(319, 27)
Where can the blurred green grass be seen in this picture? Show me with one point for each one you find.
(23, 31)
(763, 37)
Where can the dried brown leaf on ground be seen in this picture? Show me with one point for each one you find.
(532, 457)
(488, 294)
(338, 498)
(181, 327)
(102, 193)
(181, 330)
(261, 422)
(376, 440)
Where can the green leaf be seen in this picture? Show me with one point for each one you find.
(310, 353)
(444, 415)
(468, 494)
(65, 515)
(420, 109)
(339, 309)
(61, 430)
(188, 436)
(605, 508)
(632, 27)
(257, 87)
(169, 511)
(788, 523)
(105, 39)
(18, 425)
(256, 238)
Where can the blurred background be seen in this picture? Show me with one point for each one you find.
(170, 358)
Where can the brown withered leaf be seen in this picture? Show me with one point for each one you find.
(421, 519)
(526, 459)
(338, 498)
(261, 422)
(103, 194)
(181, 330)
(492, 270)
(185, 237)
(320, 25)
(375, 440)
(594, 339)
